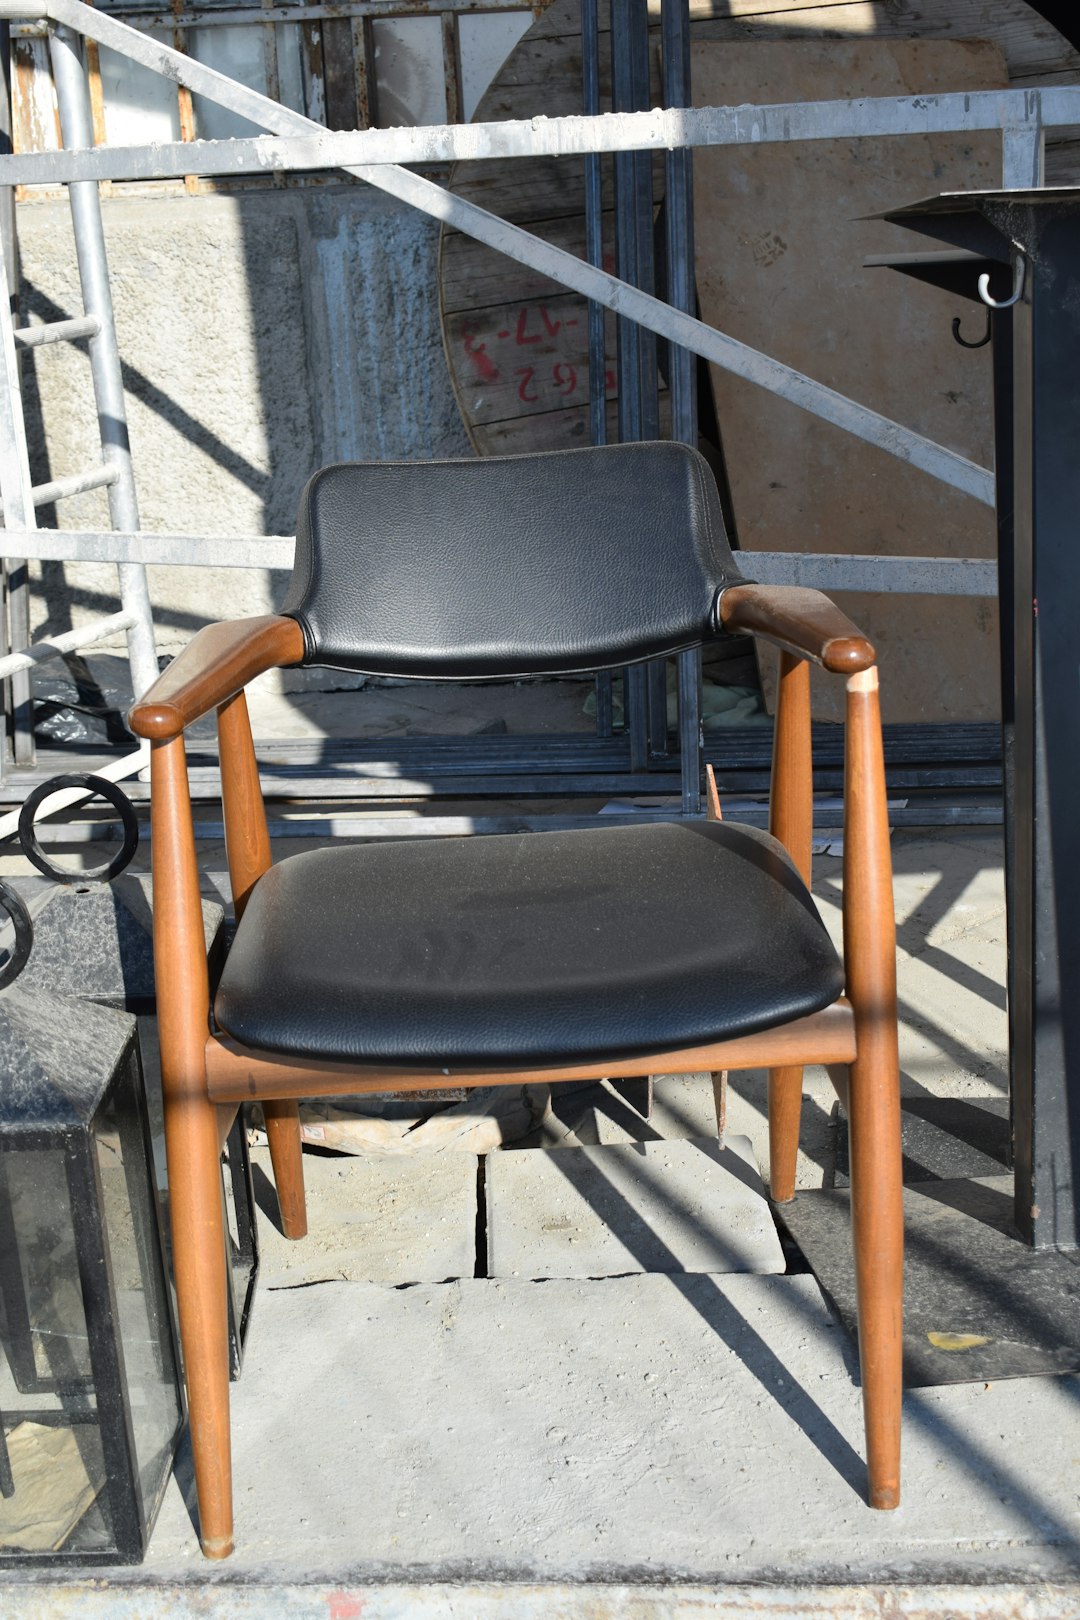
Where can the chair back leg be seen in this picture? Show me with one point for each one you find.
(785, 1116)
(286, 1156)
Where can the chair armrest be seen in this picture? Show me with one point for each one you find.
(215, 665)
(801, 621)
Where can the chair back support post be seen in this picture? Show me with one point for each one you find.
(247, 840)
(191, 1138)
(791, 801)
(791, 822)
(874, 1102)
(247, 849)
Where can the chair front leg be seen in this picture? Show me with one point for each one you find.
(874, 1102)
(191, 1141)
(791, 821)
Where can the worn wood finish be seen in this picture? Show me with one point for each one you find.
(239, 1074)
(247, 849)
(799, 621)
(191, 1140)
(791, 820)
(215, 665)
(874, 1102)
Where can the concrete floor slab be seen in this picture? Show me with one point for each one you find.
(681, 1428)
(396, 1221)
(660, 1206)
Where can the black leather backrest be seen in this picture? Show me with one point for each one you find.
(578, 559)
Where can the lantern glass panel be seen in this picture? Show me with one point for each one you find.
(52, 1450)
(132, 1235)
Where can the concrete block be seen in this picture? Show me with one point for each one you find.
(682, 1106)
(648, 1206)
(375, 1220)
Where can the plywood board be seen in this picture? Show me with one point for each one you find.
(781, 238)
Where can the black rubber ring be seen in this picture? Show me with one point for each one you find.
(12, 902)
(105, 790)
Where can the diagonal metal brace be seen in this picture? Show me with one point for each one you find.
(434, 200)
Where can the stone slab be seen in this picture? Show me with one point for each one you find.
(645, 1428)
(664, 1206)
(682, 1106)
(94, 940)
(979, 1305)
(943, 1138)
(393, 1221)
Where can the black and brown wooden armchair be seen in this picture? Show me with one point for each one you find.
(598, 952)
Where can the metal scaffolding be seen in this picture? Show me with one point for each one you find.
(376, 156)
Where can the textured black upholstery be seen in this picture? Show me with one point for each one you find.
(580, 559)
(532, 947)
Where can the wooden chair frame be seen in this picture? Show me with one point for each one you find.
(206, 1076)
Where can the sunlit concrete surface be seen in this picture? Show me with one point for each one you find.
(636, 1445)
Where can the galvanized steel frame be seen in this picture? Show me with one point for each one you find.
(374, 156)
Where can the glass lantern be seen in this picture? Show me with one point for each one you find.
(89, 1389)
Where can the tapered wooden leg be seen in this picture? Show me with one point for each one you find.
(785, 1113)
(286, 1156)
(198, 1242)
(191, 1141)
(874, 1099)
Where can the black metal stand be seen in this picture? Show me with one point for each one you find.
(1037, 401)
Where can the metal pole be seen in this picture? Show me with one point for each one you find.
(17, 494)
(594, 252)
(679, 219)
(77, 130)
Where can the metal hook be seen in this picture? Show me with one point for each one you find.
(1019, 267)
(980, 343)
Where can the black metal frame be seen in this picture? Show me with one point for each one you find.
(129, 1516)
(1037, 428)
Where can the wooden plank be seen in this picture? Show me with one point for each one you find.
(525, 359)
(339, 73)
(554, 430)
(1063, 163)
(472, 277)
(1028, 42)
(779, 266)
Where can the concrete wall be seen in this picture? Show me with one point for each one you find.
(263, 334)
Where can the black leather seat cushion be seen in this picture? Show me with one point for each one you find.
(526, 948)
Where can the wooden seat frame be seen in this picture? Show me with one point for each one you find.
(207, 1076)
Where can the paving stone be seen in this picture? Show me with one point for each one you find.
(682, 1106)
(377, 1220)
(664, 1206)
(943, 1138)
(979, 1305)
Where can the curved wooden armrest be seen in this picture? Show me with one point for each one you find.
(215, 665)
(801, 621)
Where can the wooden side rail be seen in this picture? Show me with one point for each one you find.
(237, 1074)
